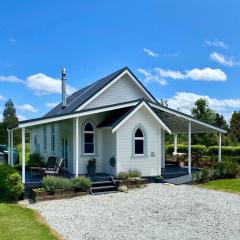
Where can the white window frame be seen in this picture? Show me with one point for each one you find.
(139, 138)
(94, 135)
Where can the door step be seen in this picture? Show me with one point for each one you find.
(108, 185)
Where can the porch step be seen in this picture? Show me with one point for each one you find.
(106, 185)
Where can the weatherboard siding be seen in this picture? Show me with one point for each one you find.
(121, 91)
(109, 149)
(150, 164)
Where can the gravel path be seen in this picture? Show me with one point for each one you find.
(157, 211)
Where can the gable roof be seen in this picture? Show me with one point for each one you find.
(80, 97)
(133, 110)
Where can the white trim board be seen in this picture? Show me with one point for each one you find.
(178, 114)
(110, 84)
(74, 115)
(143, 104)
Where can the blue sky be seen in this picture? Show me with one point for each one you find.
(180, 50)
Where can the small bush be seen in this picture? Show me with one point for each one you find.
(204, 175)
(5, 170)
(81, 183)
(226, 169)
(52, 183)
(134, 173)
(13, 185)
(122, 176)
(35, 160)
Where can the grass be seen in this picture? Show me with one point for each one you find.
(18, 222)
(226, 185)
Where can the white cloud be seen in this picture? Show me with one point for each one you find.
(220, 58)
(206, 74)
(51, 104)
(11, 79)
(150, 52)
(42, 84)
(27, 108)
(2, 98)
(21, 117)
(184, 101)
(149, 77)
(216, 43)
(170, 73)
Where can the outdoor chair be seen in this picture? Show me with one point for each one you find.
(57, 170)
(51, 163)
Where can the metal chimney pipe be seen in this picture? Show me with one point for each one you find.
(64, 79)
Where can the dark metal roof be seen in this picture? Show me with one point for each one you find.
(114, 117)
(78, 98)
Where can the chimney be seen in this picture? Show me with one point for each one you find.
(64, 79)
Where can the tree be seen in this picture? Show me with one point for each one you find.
(202, 111)
(163, 102)
(9, 119)
(234, 129)
(220, 121)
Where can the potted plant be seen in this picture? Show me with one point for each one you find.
(91, 167)
(112, 162)
(159, 179)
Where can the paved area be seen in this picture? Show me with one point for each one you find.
(158, 211)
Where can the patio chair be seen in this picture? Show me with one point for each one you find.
(51, 163)
(57, 170)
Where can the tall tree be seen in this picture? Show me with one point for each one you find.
(9, 119)
(220, 121)
(234, 129)
(203, 112)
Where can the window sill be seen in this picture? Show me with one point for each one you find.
(89, 155)
(140, 156)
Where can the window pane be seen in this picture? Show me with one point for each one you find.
(88, 148)
(138, 133)
(88, 127)
(138, 146)
(88, 137)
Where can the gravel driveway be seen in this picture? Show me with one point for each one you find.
(157, 211)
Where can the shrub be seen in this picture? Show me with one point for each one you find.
(5, 170)
(35, 160)
(226, 150)
(226, 169)
(13, 185)
(197, 149)
(52, 183)
(122, 176)
(81, 183)
(134, 173)
(204, 174)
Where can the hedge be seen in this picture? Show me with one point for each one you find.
(227, 151)
(197, 149)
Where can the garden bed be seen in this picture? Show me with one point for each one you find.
(39, 195)
(133, 182)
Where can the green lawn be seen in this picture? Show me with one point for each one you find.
(227, 185)
(20, 223)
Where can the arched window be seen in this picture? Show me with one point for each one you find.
(89, 139)
(139, 142)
